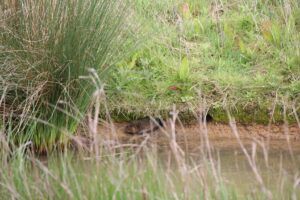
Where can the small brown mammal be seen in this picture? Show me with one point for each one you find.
(144, 125)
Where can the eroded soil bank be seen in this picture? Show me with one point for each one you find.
(220, 136)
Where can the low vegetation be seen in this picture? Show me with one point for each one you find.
(241, 55)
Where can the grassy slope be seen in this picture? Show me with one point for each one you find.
(246, 59)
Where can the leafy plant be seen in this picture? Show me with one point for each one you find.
(184, 69)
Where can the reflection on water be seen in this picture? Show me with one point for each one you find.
(277, 166)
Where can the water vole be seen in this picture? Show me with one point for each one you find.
(144, 125)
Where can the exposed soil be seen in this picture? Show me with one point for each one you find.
(220, 136)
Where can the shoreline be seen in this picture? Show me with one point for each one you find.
(220, 136)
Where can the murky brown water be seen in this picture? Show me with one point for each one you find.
(276, 156)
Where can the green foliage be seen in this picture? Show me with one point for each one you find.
(184, 70)
(243, 57)
(46, 47)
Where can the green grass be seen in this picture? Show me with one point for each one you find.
(46, 53)
(245, 60)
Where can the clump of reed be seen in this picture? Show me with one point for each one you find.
(46, 49)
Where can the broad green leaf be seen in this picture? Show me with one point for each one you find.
(133, 60)
(184, 70)
(186, 98)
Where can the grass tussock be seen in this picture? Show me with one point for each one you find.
(46, 50)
